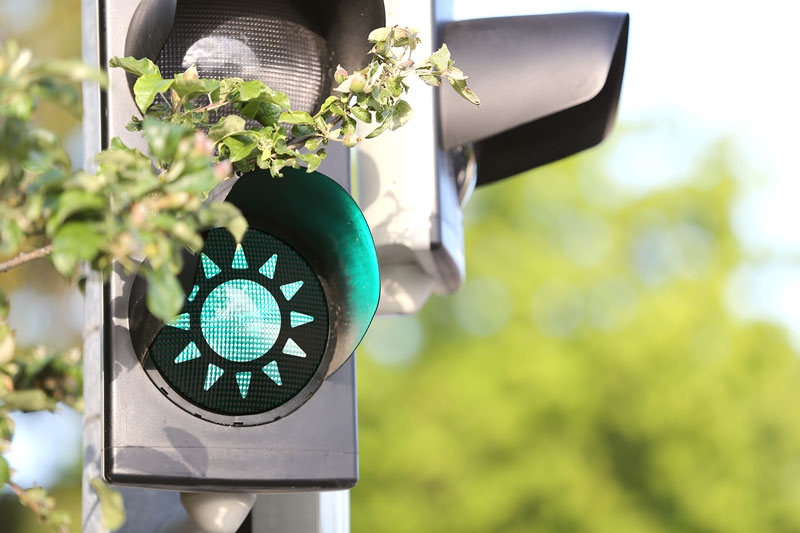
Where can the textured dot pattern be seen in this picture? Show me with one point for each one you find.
(276, 42)
(240, 299)
(240, 320)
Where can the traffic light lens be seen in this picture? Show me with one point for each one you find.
(253, 330)
(240, 320)
(278, 42)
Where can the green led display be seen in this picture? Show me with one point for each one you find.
(253, 329)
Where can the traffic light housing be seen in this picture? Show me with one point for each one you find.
(252, 386)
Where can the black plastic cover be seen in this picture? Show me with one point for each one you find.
(549, 87)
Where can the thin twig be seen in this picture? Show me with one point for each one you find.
(25, 257)
(25, 499)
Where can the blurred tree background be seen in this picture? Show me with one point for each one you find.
(45, 309)
(590, 376)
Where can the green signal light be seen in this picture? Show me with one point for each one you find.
(240, 320)
(253, 329)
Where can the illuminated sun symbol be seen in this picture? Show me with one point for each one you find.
(240, 319)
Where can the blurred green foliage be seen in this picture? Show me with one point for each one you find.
(589, 376)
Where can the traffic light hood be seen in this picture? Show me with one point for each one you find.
(318, 218)
(549, 87)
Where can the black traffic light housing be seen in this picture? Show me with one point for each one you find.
(181, 407)
(549, 86)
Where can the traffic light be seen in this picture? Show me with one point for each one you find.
(549, 87)
(252, 386)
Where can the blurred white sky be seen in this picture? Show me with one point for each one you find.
(708, 69)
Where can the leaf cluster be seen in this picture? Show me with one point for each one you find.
(261, 130)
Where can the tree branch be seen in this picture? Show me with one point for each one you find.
(25, 257)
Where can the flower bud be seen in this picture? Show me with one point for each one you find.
(340, 75)
(357, 82)
(350, 140)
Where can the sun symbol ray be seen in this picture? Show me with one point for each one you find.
(194, 293)
(212, 375)
(268, 268)
(210, 268)
(188, 353)
(243, 380)
(181, 321)
(290, 289)
(239, 260)
(298, 319)
(271, 370)
(291, 348)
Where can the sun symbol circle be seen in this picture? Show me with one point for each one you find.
(253, 331)
(240, 320)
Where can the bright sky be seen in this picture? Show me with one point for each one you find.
(706, 69)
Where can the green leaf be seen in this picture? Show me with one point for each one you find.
(229, 216)
(164, 294)
(250, 90)
(28, 400)
(379, 34)
(239, 146)
(147, 87)
(402, 37)
(72, 202)
(302, 131)
(75, 242)
(349, 125)
(311, 160)
(227, 126)
(461, 88)
(380, 129)
(313, 144)
(117, 144)
(336, 109)
(430, 80)
(395, 85)
(111, 504)
(297, 117)
(277, 97)
(4, 306)
(163, 138)
(327, 104)
(137, 67)
(400, 115)
(441, 58)
(191, 88)
(265, 113)
(5, 473)
(11, 236)
(362, 114)
(263, 160)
